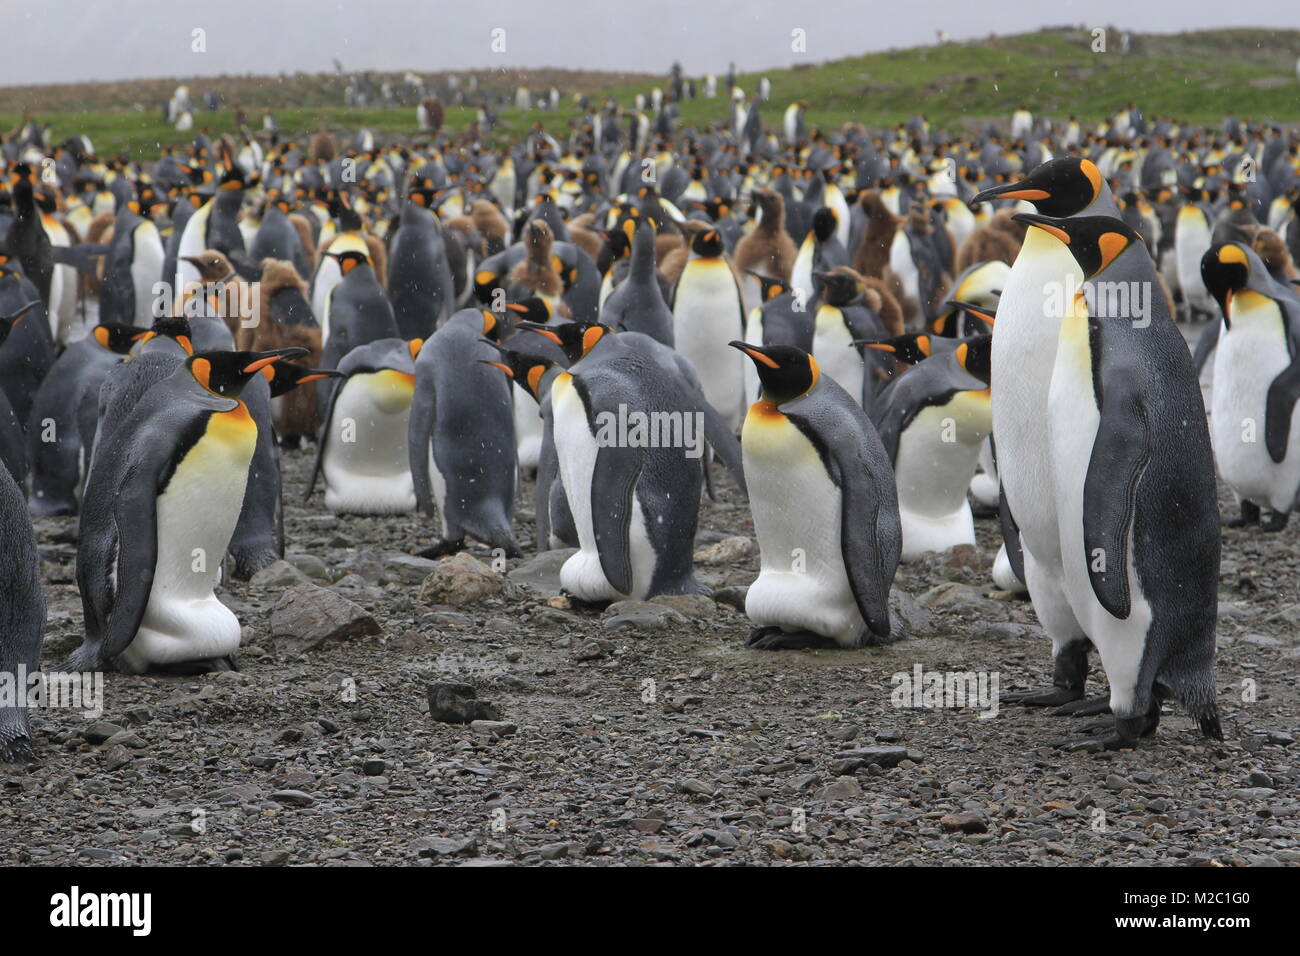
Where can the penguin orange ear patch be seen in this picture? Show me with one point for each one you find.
(1111, 245)
(201, 369)
(591, 337)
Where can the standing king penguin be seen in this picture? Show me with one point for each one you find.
(160, 506)
(1133, 473)
(825, 510)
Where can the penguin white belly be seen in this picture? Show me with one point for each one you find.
(147, 260)
(193, 241)
(984, 486)
(937, 455)
(1250, 354)
(366, 467)
(606, 287)
(528, 430)
(576, 449)
(801, 277)
(707, 316)
(1024, 342)
(1119, 643)
(1004, 575)
(197, 513)
(63, 302)
(801, 584)
(1191, 242)
(836, 356)
(903, 265)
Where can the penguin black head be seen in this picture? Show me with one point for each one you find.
(284, 376)
(785, 371)
(226, 373)
(525, 369)
(173, 327)
(949, 324)
(533, 309)
(770, 287)
(975, 356)
(494, 325)
(349, 260)
(118, 338)
(840, 287)
(7, 322)
(574, 339)
(911, 349)
(1225, 269)
(1094, 241)
(1060, 187)
(824, 223)
(707, 244)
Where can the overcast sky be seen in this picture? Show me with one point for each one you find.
(51, 41)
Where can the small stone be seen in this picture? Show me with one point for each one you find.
(781, 849)
(646, 826)
(727, 551)
(846, 788)
(274, 858)
(691, 605)
(100, 731)
(966, 822)
(493, 728)
(445, 846)
(115, 758)
(309, 565)
(540, 576)
(375, 768)
(733, 596)
(693, 786)
(881, 756)
(1115, 782)
(293, 798)
(554, 851)
(452, 702)
(642, 616)
(279, 574)
(459, 580)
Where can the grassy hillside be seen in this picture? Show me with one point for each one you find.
(1196, 76)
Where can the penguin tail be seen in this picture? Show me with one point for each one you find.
(1208, 720)
(16, 746)
(1199, 696)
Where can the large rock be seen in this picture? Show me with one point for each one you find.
(408, 568)
(541, 575)
(307, 616)
(451, 702)
(906, 617)
(459, 580)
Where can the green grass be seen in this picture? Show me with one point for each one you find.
(1198, 77)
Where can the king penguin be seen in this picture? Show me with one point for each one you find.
(825, 510)
(54, 438)
(419, 277)
(707, 314)
(22, 614)
(1256, 384)
(361, 454)
(933, 422)
(158, 513)
(1024, 343)
(631, 427)
(1134, 486)
(461, 435)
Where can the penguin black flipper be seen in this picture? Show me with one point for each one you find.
(82, 257)
(420, 435)
(1010, 535)
(1283, 393)
(868, 528)
(1120, 455)
(613, 482)
(322, 438)
(723, 441)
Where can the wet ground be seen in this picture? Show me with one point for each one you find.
(650, 736)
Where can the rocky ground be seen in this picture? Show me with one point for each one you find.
(643, 734)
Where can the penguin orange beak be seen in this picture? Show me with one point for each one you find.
(501, 365)
(1016, 190)
(547, 333)
(755, 352)
(517, 307)
(981, 313)
(1045, 223)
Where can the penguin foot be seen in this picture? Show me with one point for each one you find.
(1084, 707)
(1121, 734)
(1276, 522)
(207, 665)
(1053, 696)
(1249, 515)
(441, 548)
(774, 639)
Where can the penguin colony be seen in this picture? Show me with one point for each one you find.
(871, 332)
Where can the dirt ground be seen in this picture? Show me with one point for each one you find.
(651, 737)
